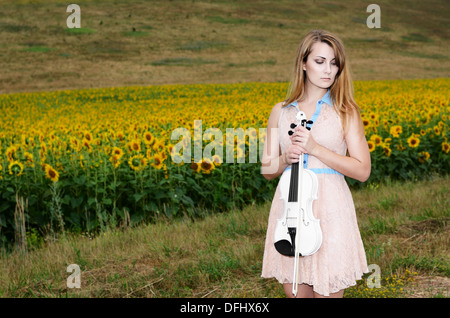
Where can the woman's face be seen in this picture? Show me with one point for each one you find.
(320, 67)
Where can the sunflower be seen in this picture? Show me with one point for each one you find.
(75, 144)
(217, 160)
(53, 136)
(387, 151)
(195, 166)
(158, 146)
(158, 161)
(240, 153)
(387, 141)
(413, 141)
(149, 139)
(134, 145)
(396, 131)
(436, 130)
(400, 147)
(87, 145)
(88, 136)
(42, 156)
(82, 161)
(120, 135)
(29, 158)
(423, 156)
(149, 153)
(163, 155)
(137, 162)
(11, 153)
(371, 145)
(376, 139)
(366, 123)
(97, 141)
(51, 173)
(170, 148)
(16, 168)
(373, 116)
(445, 147)
(116, 151)
(206, 166)
(115, 160)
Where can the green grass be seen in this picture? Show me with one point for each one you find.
(203, 45)
(404, 233)
(79, 30)
(40, 49)
(416, 37)
(181, 61)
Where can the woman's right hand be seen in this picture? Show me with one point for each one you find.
(292, 154)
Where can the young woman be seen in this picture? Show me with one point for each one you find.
(334, 147)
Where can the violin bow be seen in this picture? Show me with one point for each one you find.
(301, 119)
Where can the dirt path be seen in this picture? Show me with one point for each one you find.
(429, 286)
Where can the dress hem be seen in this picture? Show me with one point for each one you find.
(320, 291)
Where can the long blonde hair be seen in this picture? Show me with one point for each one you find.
(341, 91)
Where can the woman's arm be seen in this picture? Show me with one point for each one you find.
(357, 165)
(273, 163)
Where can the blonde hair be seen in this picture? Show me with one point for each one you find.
(341, 91)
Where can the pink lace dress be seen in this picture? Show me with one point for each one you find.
(341, 259)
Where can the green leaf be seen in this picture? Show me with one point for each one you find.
(76, 202)
(138, 196)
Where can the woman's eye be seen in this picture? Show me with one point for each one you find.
(319, 62)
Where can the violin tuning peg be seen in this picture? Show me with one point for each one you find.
(293, 125)
(290, 132)
(310, 122)
(309, 128)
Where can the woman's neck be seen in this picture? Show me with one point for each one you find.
(312, 93)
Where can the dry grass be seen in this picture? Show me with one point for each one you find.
(183, 41)
(221, 255)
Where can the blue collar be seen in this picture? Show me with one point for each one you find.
(325, 99)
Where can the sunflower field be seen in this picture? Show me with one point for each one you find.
(86, 160)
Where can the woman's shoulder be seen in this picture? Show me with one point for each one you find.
(279, 106)
(276, 113)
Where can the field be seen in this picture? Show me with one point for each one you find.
(94, 118)
(115, 159)
(404, 233)
(72, 174)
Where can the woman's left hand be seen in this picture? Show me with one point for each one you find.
(302, 138)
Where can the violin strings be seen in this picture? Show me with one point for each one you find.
(293, 188)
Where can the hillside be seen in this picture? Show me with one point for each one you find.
(123, 43)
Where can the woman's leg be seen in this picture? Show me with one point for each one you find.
(338, 294)
(303, 291)
(306, 291)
